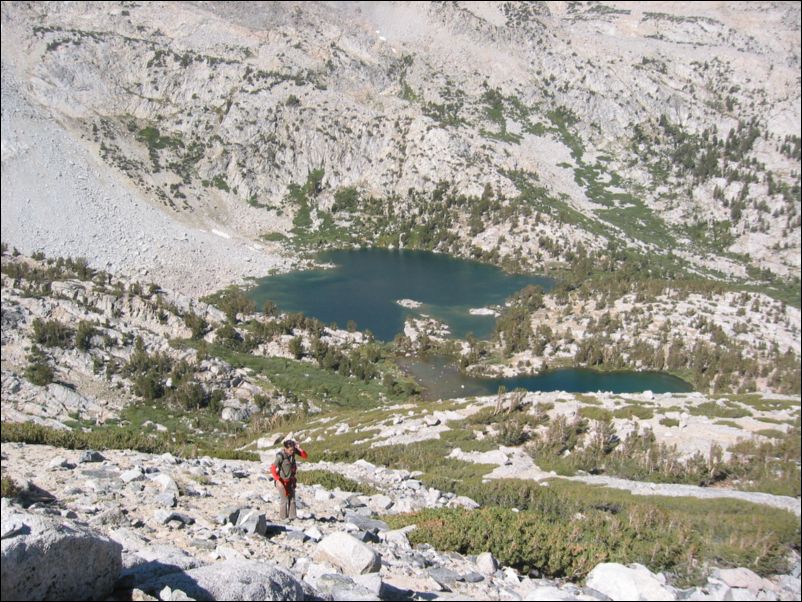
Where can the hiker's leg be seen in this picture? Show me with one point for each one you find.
(282, 501)
(291, 505)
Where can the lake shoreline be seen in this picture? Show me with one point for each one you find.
(444, 370)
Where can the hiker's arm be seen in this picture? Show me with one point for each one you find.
(274, 472)
(302, 453)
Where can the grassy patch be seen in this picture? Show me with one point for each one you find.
(711, 409)
(774, 420)
(760, 404)
(274, 237)
(306, 381)
(669, 422)
(330, 480)
(634, 411)
(115, 438)
(596, 414)
(773, 433)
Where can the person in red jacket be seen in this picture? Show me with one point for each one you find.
(283, 471)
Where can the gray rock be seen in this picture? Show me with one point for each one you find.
(348, 553)
(135, 474)
(340, 587)
(462, 501)
(365, 523)
(740, 594)
(367, 537)
(229, 516)
(544, 593)
(137, 595)
(443, 576)
(155, 561)
(370, 581)
(174, 595)
(299, 536)
(362, 511)
(165, 516)
(113, 517)
(232, 580)
(129, 539)
(486, 563)
(166, 483)
(321, 495)
(790, 584)
(396, 538)
(355, 501)
(166, 499)
(314, 534)
(379, 503)
(234, 414)
(743, 578)
(473, 577)
(90, 455)
(39, 556)
(252, 522)
(634, 582)
(60, 462)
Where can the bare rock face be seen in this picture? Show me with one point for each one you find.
(633, 582)
(56, 559)
(232, 580)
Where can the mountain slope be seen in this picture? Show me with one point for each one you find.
(516, 133)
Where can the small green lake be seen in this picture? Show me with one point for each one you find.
(441, 379)
(366, 284)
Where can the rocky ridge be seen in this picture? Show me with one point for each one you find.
(172, 527)
(505, 112)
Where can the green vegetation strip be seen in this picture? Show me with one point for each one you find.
(308, 381)
(331, 480)
(565, 529)
(114, 438)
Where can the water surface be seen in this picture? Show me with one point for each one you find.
(441, 379)
(365, 285)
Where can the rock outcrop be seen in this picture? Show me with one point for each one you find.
(47, 558)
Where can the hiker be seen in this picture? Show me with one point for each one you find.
(283, 471)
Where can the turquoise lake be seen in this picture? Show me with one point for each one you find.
(366, 284)
(441, 379)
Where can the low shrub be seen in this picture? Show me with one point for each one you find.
(9, 487)
(565, 529)
(567, 548)
(331, 480)
(39, 372)
(113, 438)
(52, 334)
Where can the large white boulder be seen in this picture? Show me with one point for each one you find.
(46, 558)
(231, 580)
(348, 553)
(633, 582)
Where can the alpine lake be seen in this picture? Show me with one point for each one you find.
(366, 285)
